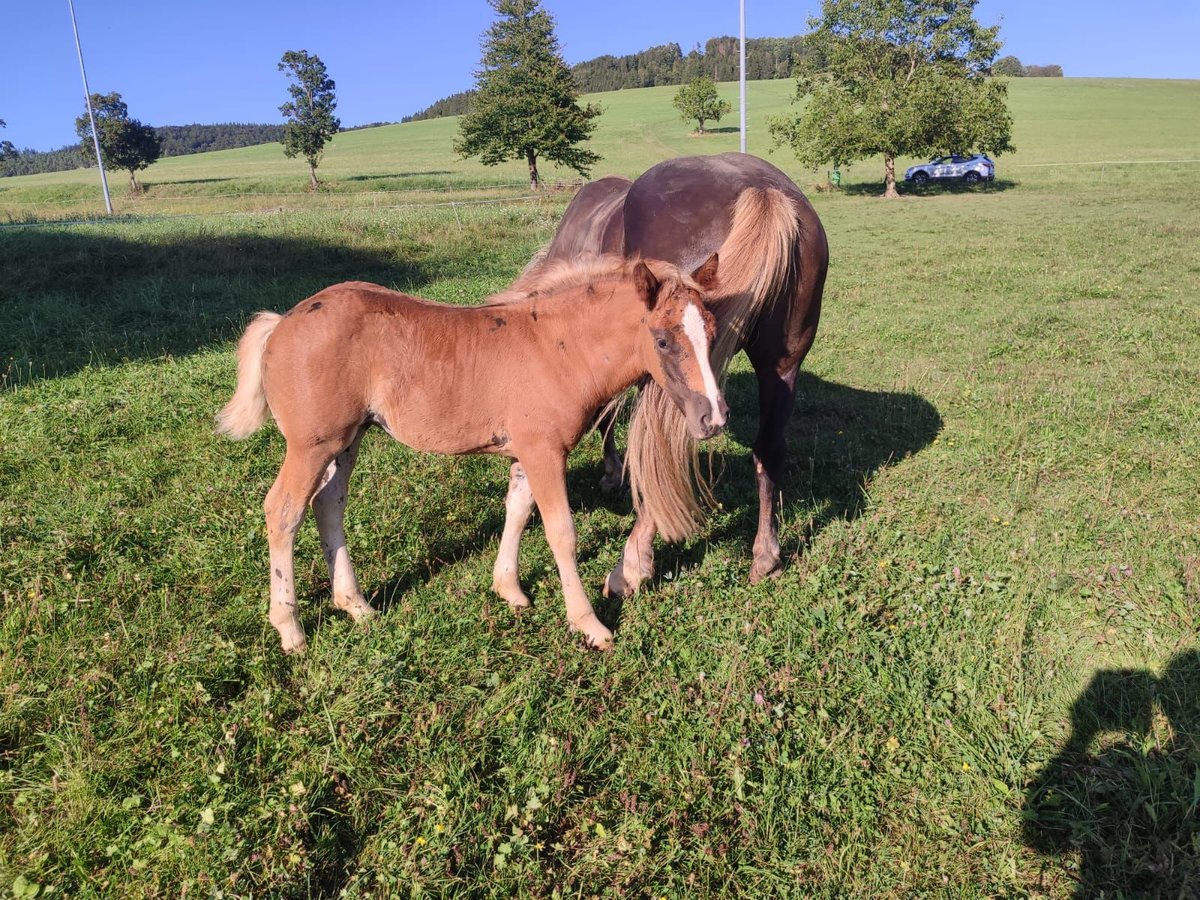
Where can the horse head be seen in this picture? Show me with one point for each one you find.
(681, 331)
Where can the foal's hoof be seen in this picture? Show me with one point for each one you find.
(598, 637)
(357, 609)
(293, 646)
(615, 585)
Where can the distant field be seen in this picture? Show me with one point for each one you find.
(978, 676)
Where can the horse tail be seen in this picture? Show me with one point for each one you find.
(758, 261)
(245, 413)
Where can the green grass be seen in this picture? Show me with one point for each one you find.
(978, 675)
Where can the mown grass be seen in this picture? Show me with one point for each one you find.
(977, 677)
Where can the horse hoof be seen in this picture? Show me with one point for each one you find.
(761, 571)
(615, 585)
(294, 647)
(611, 483)
(598, 637)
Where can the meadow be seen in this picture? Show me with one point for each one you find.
(978, 675)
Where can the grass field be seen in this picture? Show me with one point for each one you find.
(978, 676)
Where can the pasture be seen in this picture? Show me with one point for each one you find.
(978, 675)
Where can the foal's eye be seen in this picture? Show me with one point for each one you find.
(662, 343)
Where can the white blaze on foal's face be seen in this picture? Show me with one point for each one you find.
(693, 327)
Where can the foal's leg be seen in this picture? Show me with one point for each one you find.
(547, 478)
(518, 505)
(329, 508)
(636, 563)
(284, 507)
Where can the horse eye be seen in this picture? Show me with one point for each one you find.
(662, 343)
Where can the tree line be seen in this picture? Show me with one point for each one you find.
(664, 64)
(176, 140)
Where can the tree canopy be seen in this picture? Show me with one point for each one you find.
(698, 100)
(125, 143)
(7, 150)
(311, 123)
(901, 77)
(525, 104)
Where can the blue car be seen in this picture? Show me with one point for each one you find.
(970, 169)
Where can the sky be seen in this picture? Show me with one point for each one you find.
(178, 63)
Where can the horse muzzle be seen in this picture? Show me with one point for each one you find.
(703, 419)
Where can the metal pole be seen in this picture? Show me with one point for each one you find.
(742, 70)
(87, 94)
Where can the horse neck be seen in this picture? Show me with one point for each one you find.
(601, 325)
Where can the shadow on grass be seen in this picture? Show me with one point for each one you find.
(397, 176)
(1121, 797)
(933, 189)
(70, 298)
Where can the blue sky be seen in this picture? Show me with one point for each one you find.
(176, 63)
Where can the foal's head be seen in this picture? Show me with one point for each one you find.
(681, 332)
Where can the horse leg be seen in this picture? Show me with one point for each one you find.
(284, 507)
(614, 468)
(329, 508)
(636, 563)
(548, 480)
(518, 504)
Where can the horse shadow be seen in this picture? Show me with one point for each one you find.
(838, 438)
(1116, 809)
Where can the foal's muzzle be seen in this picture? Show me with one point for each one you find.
(703, 420)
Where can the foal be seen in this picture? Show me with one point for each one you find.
(522, 376)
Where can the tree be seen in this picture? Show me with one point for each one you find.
(311, 123)
(125, 143)
(903, 77)
(1008, 66)
(7, 150)
(698, 100)
(526, 100)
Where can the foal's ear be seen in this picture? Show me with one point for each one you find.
(706, 275)
(646, 284)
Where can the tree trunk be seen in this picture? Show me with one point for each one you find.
(701, 121)
(134, 187)
(889, 177)
(313, 184)
(531, 158)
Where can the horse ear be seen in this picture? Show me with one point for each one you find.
(646, 283)
(706, 275)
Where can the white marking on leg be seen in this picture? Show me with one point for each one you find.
(517, 505)
(693, 327)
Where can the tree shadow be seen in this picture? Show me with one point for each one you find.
(396, 176)
(1116, 809)
(147, 185)
(934, 188)
(70, 298)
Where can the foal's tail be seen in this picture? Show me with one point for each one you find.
(758, 261)
(246, 412)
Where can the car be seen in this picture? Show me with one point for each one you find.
(971, 169)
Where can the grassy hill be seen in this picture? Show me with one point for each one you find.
(978, 675)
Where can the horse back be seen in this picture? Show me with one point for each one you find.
(593, 222)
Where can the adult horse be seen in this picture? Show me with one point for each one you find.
(522, 376)
(768, 302)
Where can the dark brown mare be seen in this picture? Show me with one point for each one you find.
(522, 376)
(774, 258)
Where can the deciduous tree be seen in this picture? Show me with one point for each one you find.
(1008, 66)
(125, 143)
(903, 77)
(311, 123)
(7, 150)
(526, 101)
(698, 100)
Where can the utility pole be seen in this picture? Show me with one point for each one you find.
(742, 70)
(87, 95)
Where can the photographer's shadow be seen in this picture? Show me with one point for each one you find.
(1123, 793)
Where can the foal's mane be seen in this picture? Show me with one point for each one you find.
(563, 275)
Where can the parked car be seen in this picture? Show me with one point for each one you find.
(971, 169)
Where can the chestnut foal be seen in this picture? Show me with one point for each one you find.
(522, 376)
